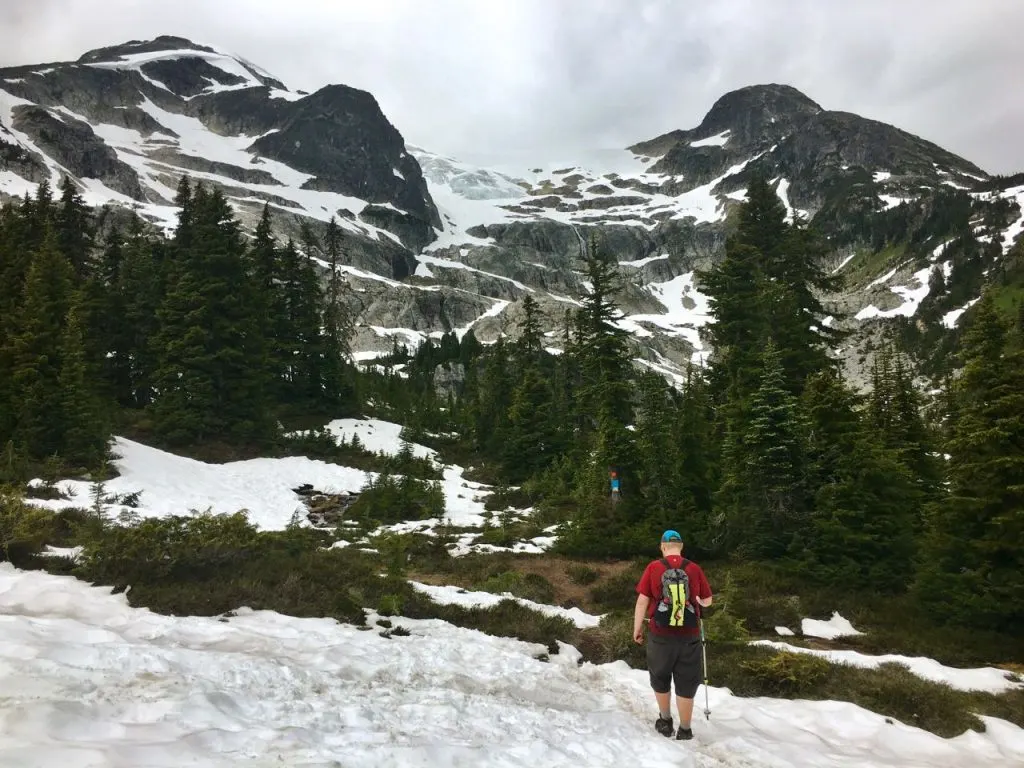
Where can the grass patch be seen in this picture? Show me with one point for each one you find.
(529, 586)
(506, 619)
(869, 265)
(582, 574)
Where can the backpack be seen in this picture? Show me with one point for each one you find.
(675, 609)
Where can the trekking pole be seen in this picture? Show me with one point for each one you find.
(704, 657)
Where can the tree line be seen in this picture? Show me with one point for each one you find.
(767, 453)
(202, 336)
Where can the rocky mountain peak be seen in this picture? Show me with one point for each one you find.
(161, 44)
(185, 68)
(758, 112)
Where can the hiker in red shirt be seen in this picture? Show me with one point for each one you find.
(670, 595)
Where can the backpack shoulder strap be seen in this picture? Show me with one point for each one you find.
(664, 562)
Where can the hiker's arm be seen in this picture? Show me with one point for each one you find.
(704, 589)
(639, 614)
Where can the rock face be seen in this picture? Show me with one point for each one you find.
(131, 119)
(435, 245)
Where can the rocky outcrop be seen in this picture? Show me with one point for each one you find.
(340, 136)
(168, 90)
(75, 146)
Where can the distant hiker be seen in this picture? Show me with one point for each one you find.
(669, 596)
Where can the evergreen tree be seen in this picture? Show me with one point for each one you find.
(208, 332)
(338, 328)
(864, 500)
(35, 352)
(74, 235)
(268, 294)
(140, 289)
(85, 432)
(766, 466)
(972, 570)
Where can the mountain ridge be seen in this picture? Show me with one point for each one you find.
(435, 245)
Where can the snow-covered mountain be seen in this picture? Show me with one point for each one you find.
(437, 244)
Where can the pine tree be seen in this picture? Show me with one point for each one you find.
(35, 351)
(85, 432)
(141, 289)
(338, 327)
(973, 566)
(208, 333)
(769, 466)
(865, 502)
(74, 235)
(862, 532)
(268, 294)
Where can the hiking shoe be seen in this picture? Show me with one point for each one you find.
(684, 734)
(663, 726)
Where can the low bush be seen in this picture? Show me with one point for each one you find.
(321, 444)
(618, 591)
(24, 529)
(581, 574)
(390, 498)
(530, 586)
(506, 619)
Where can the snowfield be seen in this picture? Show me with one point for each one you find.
(90, 682)
(264, 488)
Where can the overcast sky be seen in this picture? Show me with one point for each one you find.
(539, 76)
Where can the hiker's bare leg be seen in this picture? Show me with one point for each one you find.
(663, 701)
(685, 707)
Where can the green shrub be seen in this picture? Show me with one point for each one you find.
(617, 592)
(321, 444)
(506, 619)
(24, 528)
(529, 586)
(582, 575)
(390, 605)
(396, 498)
(209, 564)
(787, 673)
(612, 640)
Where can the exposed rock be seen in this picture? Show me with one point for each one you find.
(448, 379)
(325, 510)
(75, 146)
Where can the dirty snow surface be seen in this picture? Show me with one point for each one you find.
(92, 683)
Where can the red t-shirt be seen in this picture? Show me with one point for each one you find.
(650, 585)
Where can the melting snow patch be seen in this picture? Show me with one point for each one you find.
(835, 627)
(449, 595)
(643, 262)
(950, 319)
(173, 485)
(912, 297)
(989, 679)
(90, 681)
(784, 631)
(718, 140)
(881, 176)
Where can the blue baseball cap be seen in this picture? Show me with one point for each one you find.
(671, 536)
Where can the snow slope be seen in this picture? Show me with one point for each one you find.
(175, 485)
(92, 683)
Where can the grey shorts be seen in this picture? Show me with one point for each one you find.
(677, 658)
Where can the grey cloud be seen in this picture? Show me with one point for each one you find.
(488, 78)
